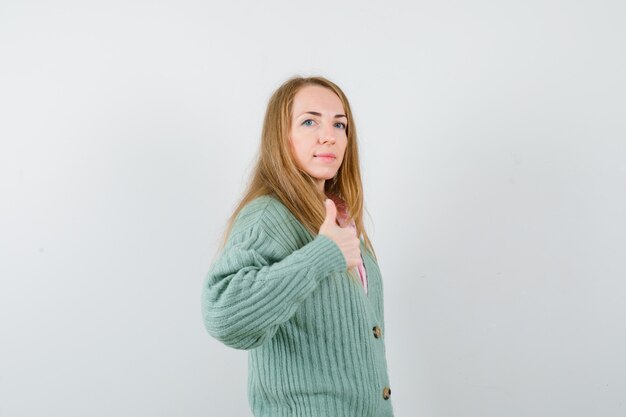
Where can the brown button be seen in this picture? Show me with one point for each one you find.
(377, 332)
(386, 393)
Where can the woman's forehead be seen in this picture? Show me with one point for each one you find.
(313, 98)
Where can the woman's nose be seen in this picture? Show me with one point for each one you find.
(327, 134)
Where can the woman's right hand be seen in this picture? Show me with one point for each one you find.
(344, 237)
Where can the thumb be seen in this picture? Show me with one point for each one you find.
(331, 213)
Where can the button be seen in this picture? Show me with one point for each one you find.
(377, 332)
(386, 393)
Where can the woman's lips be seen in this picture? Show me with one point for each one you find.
(325, 158)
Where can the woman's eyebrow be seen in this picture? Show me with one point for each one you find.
(320, 114)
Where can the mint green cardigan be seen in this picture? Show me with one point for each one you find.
(315, 339)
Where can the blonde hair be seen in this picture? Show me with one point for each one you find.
(276, 173)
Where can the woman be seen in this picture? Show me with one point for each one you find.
(294, 285)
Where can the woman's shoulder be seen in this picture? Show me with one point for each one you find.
(266, 218)
(263, 205)
(266, 211)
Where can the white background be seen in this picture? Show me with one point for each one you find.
(493, 144)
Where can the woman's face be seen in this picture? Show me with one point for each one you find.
(318, 128)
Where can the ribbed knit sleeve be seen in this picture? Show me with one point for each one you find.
(246, 296)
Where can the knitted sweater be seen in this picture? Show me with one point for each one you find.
(315, 339)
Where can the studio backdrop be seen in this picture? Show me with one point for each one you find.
(492, 139)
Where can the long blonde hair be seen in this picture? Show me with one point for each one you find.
(276, 173)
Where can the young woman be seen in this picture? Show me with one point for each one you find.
(296, 282)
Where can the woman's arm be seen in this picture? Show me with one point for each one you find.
(245, 297)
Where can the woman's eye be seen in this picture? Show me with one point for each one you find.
(309, 122)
